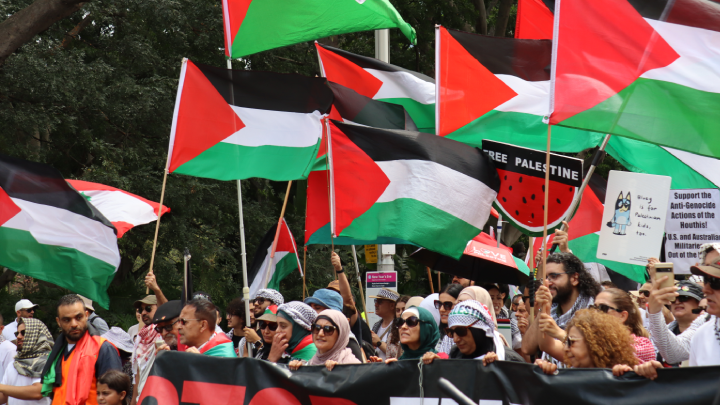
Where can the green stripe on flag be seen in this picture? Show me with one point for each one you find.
(526, 130)
(445, 233)
(322, 237)
(283, 268)
(675, 115)
(227, 161)
(62, 266)
(422, 114)
(585, 248)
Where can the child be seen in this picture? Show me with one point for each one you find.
(114, 388)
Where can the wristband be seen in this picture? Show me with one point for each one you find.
(340, 271)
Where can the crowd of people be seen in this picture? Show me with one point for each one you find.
(576, 322)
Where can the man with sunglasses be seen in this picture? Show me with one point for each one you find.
(23, 309)
(264, 298)
(385, 333)
(144, 350)
(166, 321)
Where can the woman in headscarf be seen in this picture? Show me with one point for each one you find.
(418, 333)
(471, 327)
(444, 304)
(330, 334)
(480, 295)
(293, 340)
(22, 379)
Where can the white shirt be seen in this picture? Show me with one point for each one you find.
(385, 339)
(9, 331)
(7, 355)
(704, 346)
(11, 377)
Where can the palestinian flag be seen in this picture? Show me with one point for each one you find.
(50, 232)
(286, 260)
(354, 108)
(498, 89)
(649, 70)
(433, 192)
(534, 19)
(125, 210)
(253, 26)
(382, 81)
(237, 124)
(584, 231)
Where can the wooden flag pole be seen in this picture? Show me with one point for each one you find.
(432, 286)
(277, 234)
(157, 226)
(439, 283)
(360, 287)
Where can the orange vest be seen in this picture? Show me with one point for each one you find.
(59, 392)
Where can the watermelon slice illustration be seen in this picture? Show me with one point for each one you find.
(521, 201)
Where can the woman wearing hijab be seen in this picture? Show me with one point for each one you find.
(481, 295)
(21, 383)
(471, 327)
(293, 340)
(418, 333)
(330, 334)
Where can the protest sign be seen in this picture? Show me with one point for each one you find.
(693, 218)
(206, 380)
(374, 281)
(633, 221)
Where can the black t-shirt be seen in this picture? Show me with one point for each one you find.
(361, 329)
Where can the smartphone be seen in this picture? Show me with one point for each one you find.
(159, 343)
(665, 269)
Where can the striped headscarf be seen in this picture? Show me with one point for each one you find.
(36, 347)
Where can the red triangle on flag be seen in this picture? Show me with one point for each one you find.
(358, 180)
(468, 90)
(234, 12)
(203, 118)
(602, 47)
(344, 72)
(8, 208)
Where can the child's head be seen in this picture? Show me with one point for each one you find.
(114, 388)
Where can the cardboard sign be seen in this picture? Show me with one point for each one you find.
(374, 281)
(633, 221)
(693, 218)
(371, 253)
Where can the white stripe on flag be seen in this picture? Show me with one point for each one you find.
(532, 97)
(278, 128)
(117, 206)
(259, 282)
(706, 166)
(403, 85)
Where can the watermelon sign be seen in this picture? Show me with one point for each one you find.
(521, 199)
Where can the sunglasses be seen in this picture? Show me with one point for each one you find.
(184, 321)
(411, 322)
(461, 331)
(646, 293)
(604, 308)
(684, 298)
(20, 332)
(272, 325)
(28, 310)
(447, 305)
(260, 301)
(698, 310)
(328, 330)
(714, 282)
(147, 309)
(554, 276)
(166, 328)
(570, 341)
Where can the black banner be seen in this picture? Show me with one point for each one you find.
(563, 169)
(197, 379)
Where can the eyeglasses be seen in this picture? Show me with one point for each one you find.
(20, 332)
(328, 330)
(147, 309)
(447, 305)
(411, 322)
(184, 321)
(713, 281)
(570, 341)
(461, 331)
(554, 276)
(271, 325)
(167, 327)
(260, 301)
(604, 308)
(646, 293)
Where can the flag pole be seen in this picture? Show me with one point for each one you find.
(157, 226)
(277, 234)
(432, 286)
(541, 273)
(499, 228)
(304, 267)
(357, 273)
(439, 282)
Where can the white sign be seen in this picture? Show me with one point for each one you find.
(633, 221)
(374, 281)
(693, 218)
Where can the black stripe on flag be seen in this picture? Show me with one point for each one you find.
(528, 59)
(372, 63)
(42, 184)
(270, 91)
(387, 145)
(256, 269)
(362, 110)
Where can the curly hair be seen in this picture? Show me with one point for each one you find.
(624, 302)
(608, 341)
(586, 283)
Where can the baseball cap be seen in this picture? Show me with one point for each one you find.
(167, 311)
(326, 298)
(270, 314)
(690, 289)
(87, 302)
(148, 300)
(24, 304)
(387, 294)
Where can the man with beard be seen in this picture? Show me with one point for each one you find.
(21, 383)
(568, 288)
(264, 298)
(462, 281)
(78, 357)
(144, 350)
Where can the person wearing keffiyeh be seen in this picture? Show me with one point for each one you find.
(21, 381)
(293, 339)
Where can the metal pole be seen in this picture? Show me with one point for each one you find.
(499, 228)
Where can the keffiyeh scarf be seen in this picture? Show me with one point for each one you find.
(272, 295)
(36, 347)
(582, 302)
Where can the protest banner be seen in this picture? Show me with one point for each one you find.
(374, 281)
(633, 221)
(205, 380)
(693, 218)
